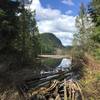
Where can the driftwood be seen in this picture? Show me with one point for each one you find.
(59, 86)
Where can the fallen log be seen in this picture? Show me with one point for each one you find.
(56, 86)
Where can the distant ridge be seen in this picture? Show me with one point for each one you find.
(49, 42)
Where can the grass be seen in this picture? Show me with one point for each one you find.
(91, 85)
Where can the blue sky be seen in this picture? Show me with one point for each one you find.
(57, 17)
(64, 5)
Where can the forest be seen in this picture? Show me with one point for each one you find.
(21, 43)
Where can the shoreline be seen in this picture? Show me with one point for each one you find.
(55, 56)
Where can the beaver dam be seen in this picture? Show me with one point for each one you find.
(58, 86)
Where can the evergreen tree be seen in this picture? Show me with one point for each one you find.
(94, 11)
(9, 26)
(28, 39)
(9, 30)
(19, 42)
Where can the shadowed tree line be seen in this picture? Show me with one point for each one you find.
(19, 39)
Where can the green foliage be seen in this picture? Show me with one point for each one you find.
(28, 39)
(81, 42)
(96, 53)
(84, 26)
(87, 39)
(49, 43)
(91, 85)
(19, 40)
(50, 64)
(8, 23)
(98, 76)
(94, 11)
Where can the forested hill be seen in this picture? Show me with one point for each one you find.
(49, 43)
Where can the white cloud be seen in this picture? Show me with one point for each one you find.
(52, 20)
(65, 37)
(63, 23)
(68, 2)
(69, 12)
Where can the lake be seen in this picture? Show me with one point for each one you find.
(54, 65)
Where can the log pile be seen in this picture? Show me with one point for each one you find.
(54, 88)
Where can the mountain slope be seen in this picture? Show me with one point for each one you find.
(49, 43)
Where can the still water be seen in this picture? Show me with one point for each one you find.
(54, 65)
(65, 63)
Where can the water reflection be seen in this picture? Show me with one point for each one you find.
(65, 63)
(48, 64)
(54, 65)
